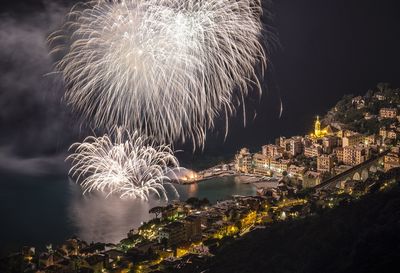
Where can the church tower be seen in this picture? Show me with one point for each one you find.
(317, 128)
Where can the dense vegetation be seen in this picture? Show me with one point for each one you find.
(362, 236)
(346, 112)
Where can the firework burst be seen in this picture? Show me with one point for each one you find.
(130, 166)
(166, 68)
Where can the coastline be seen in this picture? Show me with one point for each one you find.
(218, 171)
(244, 178)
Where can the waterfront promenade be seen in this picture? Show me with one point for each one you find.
(220, 170)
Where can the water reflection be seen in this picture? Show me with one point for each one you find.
(108, 220)
(216, 189)
(192, 189)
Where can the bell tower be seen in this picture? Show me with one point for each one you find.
(317, 128)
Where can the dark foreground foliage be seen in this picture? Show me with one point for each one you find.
(362, 236)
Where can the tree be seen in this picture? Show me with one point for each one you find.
(369, 94)
(344, 103)
(383, 86)
(164, 242)
(192, 201)
(156, 210)
(352, 115)
(197, 203)
(386, 122)
(369, 126)
(205, 202)
(304, 193)
(394, 173)
(238, 224)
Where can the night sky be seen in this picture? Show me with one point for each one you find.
(327, 49)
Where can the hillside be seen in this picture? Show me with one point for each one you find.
(363, 236)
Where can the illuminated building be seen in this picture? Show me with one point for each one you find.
(292, 146)
(261, 164)
(388, 113)
(174, 233)
(383, 132)
(352, 139)
(284, 143)
(379, 96)
(325, 163)
(272, 150)
(243, 161)
(370, 140)
(295, 145)
(328, 143)
(318, 132)
(193, 228)
(339, 153)
(312, 151)
(392, 159)
(279, 165)
(296, 172)
(392, 135)
(354, 155)
(311, 179)
(317, 128)
(359, 102)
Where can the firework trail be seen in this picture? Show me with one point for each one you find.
(165, 68)
(130, 166)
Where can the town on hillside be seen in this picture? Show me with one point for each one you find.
(354, 131)
(354, 150)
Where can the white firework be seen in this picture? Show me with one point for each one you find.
(166, 68)
(130, 166)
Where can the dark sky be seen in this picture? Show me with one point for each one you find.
(328, 49)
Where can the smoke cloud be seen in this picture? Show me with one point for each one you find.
(35, 126)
